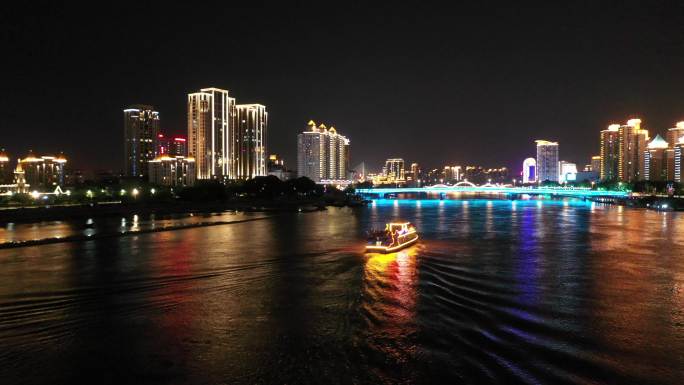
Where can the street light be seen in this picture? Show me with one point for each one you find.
(135, 192)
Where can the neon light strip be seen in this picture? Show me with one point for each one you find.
(499, 190)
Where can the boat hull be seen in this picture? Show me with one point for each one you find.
(392, 249)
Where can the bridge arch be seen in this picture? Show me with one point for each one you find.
(465, 183)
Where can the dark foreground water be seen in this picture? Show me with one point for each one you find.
(497, 291)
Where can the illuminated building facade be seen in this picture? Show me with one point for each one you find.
(168, 170)
(46, 172)
(211, 121)
(595, 164)
(322, 154)
(655, 160)
(633, 141)
(416, 177)
(529, 170)
(547, 161)
(394, 170)
(568, 172)
(452, 174)
(610, 153)
(141, 127)
(674, 134)
(6, 176)
(178, 146)
(250, 141)
(678, 160)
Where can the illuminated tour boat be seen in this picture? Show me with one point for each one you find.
(395, 237)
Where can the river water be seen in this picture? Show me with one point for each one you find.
(497, 291)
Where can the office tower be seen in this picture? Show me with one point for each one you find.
(595, 164)
(655, 160)
(211, 122)
(674, 134)
(529, 171)
(44, 173)
(250, 141)
(610, 153)
(6, 175)
(178, 146)
(322, 154)
(547, 161)
(633, 141)
(141, 127)
(166, 170)
(568, 171)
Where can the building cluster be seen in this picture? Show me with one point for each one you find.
(32, 173)
(628, 154)
(395, 172)
(225, 141)
(323, 155)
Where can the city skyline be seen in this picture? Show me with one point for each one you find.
(557, 81)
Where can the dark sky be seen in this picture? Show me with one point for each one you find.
(475, 83)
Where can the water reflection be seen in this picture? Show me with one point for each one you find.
(495, 292)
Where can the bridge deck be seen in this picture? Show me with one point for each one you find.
(496, 190)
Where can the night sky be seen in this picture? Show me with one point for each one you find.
(472, 84)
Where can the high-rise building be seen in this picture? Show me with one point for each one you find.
(674, 134)
(655, 160)
(610, 153)
(178, 146)
(678, 160)
(568, 171)
(168, 170)
(595, 164)
(547, 161)
(141, 127)
(250, 141)
(530, 170)
(633, 141)
(5, 168)
(394, 170)
(322, 154)
(416, 177)
(452, 174)
(211, 121)
(44, 173)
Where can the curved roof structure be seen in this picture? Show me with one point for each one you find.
(657, 143)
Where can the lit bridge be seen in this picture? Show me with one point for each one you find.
(467, 187)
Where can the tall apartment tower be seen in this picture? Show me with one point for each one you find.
(610, 153)
(250, 141)
(674, 134)
(633, 142)
(547, 161)
(322, 154)
(141, 127)
(655, 160)
(212, 119)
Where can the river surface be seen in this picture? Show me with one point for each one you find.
(528, 291)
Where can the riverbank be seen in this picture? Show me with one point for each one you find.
(87, 237)
(109, 209)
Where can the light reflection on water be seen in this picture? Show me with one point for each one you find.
(538, 291)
